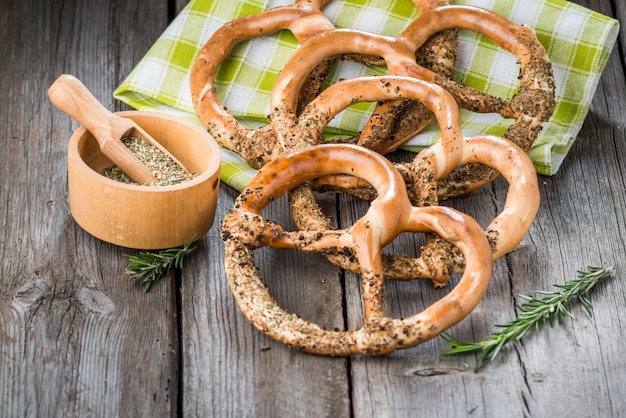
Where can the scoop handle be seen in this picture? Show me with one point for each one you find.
(71, 96)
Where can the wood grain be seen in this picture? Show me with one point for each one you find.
(229, 367)
(77, 340)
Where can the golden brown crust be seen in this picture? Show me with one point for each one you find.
(257, 147)
(244, 230)
(292, 162)
(422, 174)
(305, 20)
(531, 106)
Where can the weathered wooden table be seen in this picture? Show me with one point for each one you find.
(77, 340)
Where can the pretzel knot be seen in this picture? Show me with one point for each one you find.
(245, 230)
(530, 107)
(438, 260)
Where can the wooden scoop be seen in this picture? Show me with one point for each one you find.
(71, 96)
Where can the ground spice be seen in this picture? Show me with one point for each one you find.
(164, 169)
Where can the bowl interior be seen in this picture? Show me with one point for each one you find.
(183, 140)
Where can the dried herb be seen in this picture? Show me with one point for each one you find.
(534, 312)
(165, 170)
(149, 267)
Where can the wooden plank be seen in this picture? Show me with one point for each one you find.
(580, 223)
(419, 378)
(230, 368)
(77, 340)
(584, 207)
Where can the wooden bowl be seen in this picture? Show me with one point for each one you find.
(146, 217)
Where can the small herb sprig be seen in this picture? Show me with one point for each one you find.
(149, 267)
(534, 312)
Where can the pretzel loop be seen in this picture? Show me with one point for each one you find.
(304, 19)
(504, 232)
(445, 155)
(244, 230)
(531, 106)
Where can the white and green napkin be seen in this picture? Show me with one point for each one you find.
(578, 40)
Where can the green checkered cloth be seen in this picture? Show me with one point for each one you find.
(579, 42)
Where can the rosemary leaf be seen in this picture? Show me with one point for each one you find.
(149, 267)
(534, 312)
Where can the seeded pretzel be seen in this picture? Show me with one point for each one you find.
(244, 230)
(531, 106)
(284, 101)
(421, 175)
(305, 20)
(394, 122)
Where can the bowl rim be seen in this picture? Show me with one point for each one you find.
(213, 167)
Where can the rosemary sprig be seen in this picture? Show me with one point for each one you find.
(534, 312)
(149, 267)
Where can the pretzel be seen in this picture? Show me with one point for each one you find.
(244, 230)
(505, 231)
(398, 56)
(305, 20)
(530, 107)
(394, 122)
